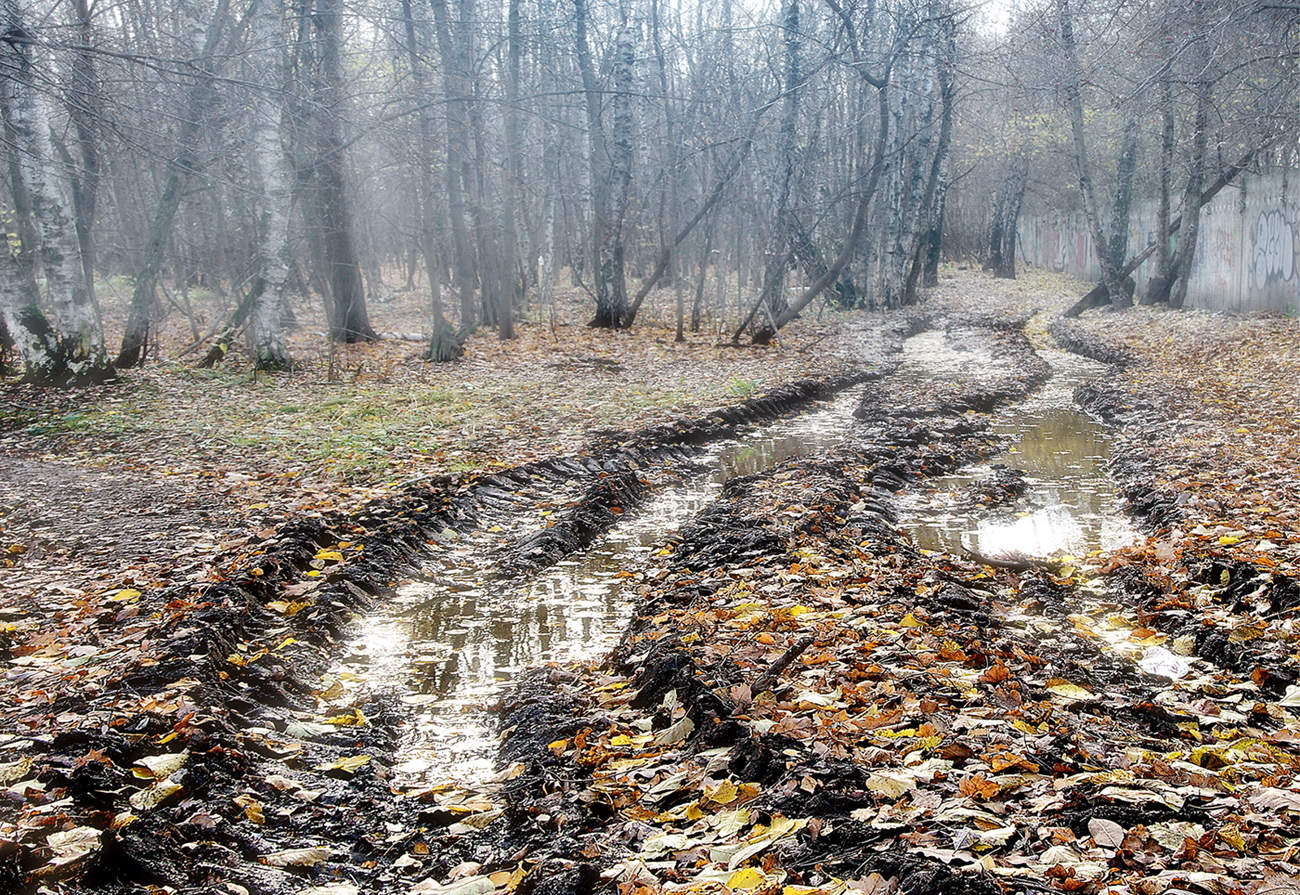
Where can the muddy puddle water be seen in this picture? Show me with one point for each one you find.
(451, 644)
(1069, 507)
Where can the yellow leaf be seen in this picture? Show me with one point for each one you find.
(723, 794)
(154, 796)
(125, 595)
(1229, 540)
(347, 764)
(910, 621)
(745, 879)
(1245, 633)
(1061, 687)
(1232, 835)
(329, 555)
(621, 740)
(160, 767)
(891, 786)
(252, 808)
(353, 718)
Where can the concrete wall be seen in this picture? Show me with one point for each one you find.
(1247, 254)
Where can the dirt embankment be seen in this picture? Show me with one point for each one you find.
(1221, 570)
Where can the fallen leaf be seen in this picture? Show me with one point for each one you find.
(297, 857)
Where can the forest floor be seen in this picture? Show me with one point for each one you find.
(804, 701)
(142, 482)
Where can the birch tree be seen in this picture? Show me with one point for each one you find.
(81, 356)
(275, 198)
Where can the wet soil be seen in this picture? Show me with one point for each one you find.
(845, 503)
(231, 682)
(775, 628)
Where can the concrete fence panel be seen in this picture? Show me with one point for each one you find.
(1247, 253)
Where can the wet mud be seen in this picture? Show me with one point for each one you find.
(235, 683)
(1176, 607)
(845, 503)
(232, 680)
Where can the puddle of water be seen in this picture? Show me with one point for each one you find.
(452, 645)
(1070, 506)
(934, 354)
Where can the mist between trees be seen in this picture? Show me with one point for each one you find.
(750, 159)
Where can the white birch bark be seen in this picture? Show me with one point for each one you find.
(271, 168)
(81, 334)
(26, 325)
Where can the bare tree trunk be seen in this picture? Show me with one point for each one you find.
(993, 255)
(349, 320)
(934, 238)
(778, 248)
(1016, 183)
(550, 172)
(86, 109)
(1123, 203)
(443, 342)
(1158, 287)
(513, 184)
(706, 253)
(179, 171)
(81, 356)
(275, 196)
(457, 90)
(611, 278)
(1196, 174)
(1110, 276)
(32, 336)
(945, 68)
(916, 160)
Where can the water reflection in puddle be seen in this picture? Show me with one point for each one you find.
(1070, 506)
(450, 644)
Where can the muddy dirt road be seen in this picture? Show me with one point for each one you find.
(862, 634)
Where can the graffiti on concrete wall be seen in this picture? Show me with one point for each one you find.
(1247, 254)
(1065, 248)
(1274, 247)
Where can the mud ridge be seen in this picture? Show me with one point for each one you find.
(240, 660)
(1242, 587)
(1005, 339)
(626, 458)
(844, 501)
(1072, 337)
